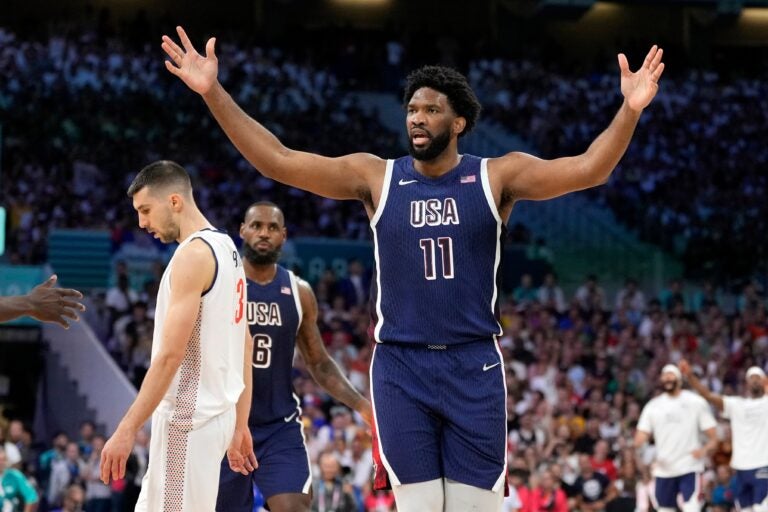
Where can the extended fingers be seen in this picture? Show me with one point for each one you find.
(657, 72)
(649, 58)
(173, 69)
(69, 292)
(105, 462)
(185, 39)
(172, 53)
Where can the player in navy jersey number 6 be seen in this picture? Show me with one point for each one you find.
(281, 312)
(437, 378)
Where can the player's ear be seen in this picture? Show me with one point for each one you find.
(459, 124)
(177, 201)
(242, 227)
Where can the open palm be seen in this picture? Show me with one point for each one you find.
(198, 72)
(640, 87)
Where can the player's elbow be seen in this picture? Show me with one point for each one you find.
(169, 359)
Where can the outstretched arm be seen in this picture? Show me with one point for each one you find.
(346, 177)
(696, 384)
(523, 176)
(324, 369)
(44, 303)
(193, 272)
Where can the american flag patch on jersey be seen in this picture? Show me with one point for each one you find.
(468, 179)
(285, 290)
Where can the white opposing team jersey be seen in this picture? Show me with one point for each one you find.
(676, 424)
(210, 378)
(749, 425)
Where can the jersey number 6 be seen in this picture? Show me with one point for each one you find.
(262, 351)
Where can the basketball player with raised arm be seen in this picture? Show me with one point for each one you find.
(749, 427)
(196, 388)
(281, 315)
(437, 375)
(675, 419)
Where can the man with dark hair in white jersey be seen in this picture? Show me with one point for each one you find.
(198, 385)
(437, 378)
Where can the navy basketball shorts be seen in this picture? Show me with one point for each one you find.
(667, 489)
(752, 487)
(283, 467)
(440, 412)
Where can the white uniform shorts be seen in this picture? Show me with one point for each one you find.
(184, 464)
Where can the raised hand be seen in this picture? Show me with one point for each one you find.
(640, 87)
(685, 368)
(198, 72)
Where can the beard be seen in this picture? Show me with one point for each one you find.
(436, 146)
(756, 391)
(171, 233)
(669, 387)
(256, 257)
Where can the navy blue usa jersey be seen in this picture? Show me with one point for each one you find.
(438, 250)
(274, 315)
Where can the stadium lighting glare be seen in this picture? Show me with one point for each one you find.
(755, 15)
(362, 3)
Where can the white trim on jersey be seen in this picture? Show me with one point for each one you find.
(499, 224)
(374, 221)
(503, 476)
(296, 298)
(392, 476)
(308, 483)
(384, 193)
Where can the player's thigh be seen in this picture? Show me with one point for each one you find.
(284, 466)
(475, 432)
(152, 493)
(689, 486)
(409, 431)
(235, 490)
(665, 492)
(290, 502)
(760, 489)
(205, 450)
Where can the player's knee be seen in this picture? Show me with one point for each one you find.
(420, 497)
(692, 505)
(463, 498)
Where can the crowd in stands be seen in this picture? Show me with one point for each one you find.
(100, 109)
(579, 369)
(81, 116)
(692, 179)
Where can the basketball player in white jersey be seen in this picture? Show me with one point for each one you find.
(749, 425)
(675, 419)
(195, 385)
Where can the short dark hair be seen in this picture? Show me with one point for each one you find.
(161, 174)
(268, 204)
(451, 83)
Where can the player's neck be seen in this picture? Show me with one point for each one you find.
(261, 274)
(443, 163)
(193, 222)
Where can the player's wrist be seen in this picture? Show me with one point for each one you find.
(631, 111)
